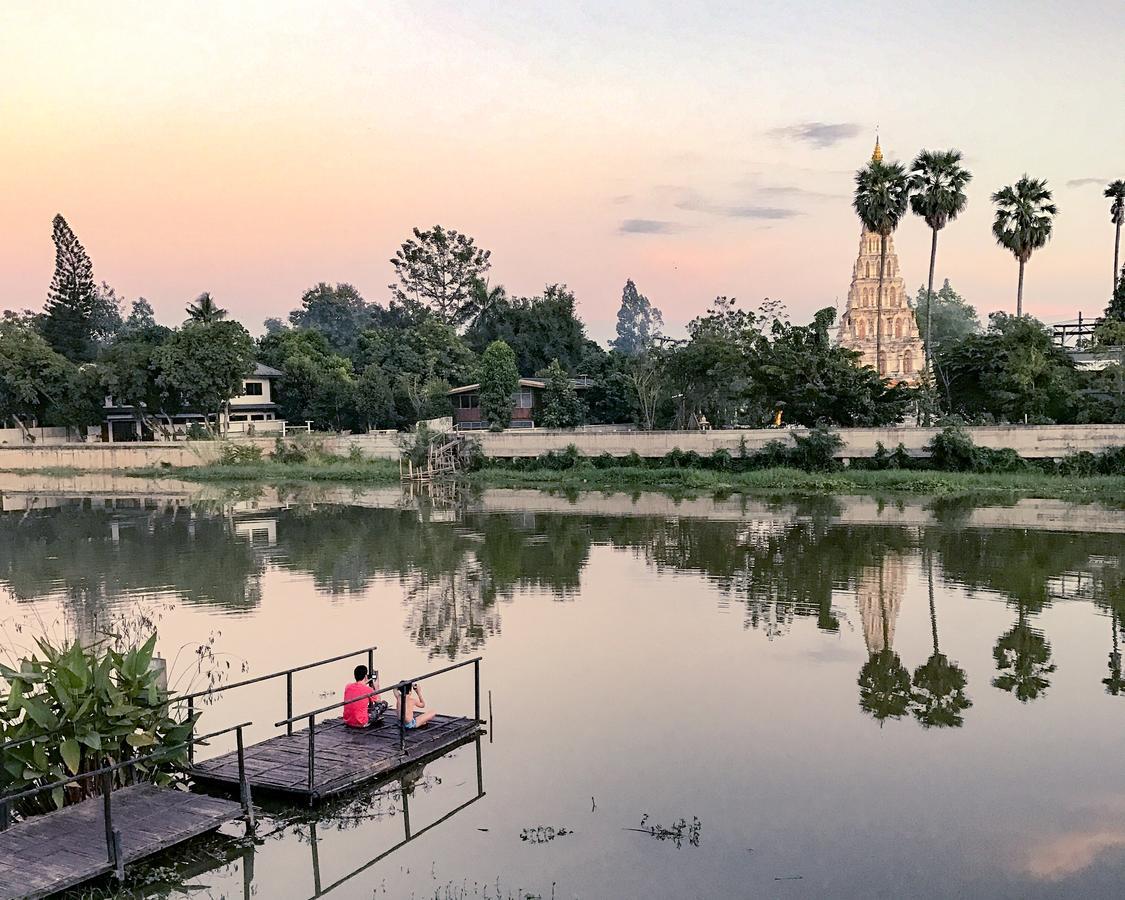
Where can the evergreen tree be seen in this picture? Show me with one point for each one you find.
(561, 406)
(638, 322)
(438, 271)
(71, 300)
(499, 379)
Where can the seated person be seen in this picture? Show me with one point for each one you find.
(415, 702)
(364, 708)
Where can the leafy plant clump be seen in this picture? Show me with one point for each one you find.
(542, 834)
(677, 832)
(81, 708)
(240, 454)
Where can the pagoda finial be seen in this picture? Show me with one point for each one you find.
(877, 154)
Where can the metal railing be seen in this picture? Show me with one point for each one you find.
(286, 673)
(403, 688)
(105, 774)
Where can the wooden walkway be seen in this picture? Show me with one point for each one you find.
(344, 757)
(61, 849)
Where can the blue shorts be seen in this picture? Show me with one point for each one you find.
(413, 723)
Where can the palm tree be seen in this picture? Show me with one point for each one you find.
(483, 297)
(937, 184)
(205, 311)
(1115, 191)
(1024, 216)
(1023, 659)
(939, 696)
(882, 192)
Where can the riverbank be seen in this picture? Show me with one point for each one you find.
(1003, 487)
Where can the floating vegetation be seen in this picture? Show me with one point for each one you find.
(542, 834)
(677, 832)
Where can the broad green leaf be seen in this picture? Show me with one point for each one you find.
(58, 797)
(144, 656)
(40, 714)
(71, 752)
(93, 740)
(144, 739)
(121, 709)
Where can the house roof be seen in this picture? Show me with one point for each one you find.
(580, 383)
(261, 370)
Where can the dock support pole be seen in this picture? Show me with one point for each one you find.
(5, 815)
(191, 715)
(476, 689)
(289, 701)
(119, 856)
(244, 784)
(312, 757)
(370, 663)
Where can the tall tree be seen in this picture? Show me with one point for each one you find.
(939, 698)
(499, 379)
(561, 406)
(638, 322)
(882, 192)
(205, 363)
(33, 377)
(538, 329)
(1115, 193)
(1116, 309)
(141, 317)
(951, 319)
(339, 312)
(1023, 222)
(437, 271)
(937, 182)
(72, 297)
(205, 311)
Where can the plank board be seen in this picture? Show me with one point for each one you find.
(345, 757)
(64, 848)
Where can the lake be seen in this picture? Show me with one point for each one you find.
(833, 697)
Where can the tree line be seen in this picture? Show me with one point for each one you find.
(352, 364)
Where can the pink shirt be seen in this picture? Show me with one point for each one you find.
(355, 713)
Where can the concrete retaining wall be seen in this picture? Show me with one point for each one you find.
(1031, 441)
(1036, 441)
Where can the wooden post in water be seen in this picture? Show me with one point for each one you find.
(244, 784)
(191, 715)
(107, 815)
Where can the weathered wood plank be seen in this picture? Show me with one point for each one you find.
(345, 757)
(65, 848)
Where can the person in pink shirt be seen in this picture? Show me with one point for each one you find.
(363, 708)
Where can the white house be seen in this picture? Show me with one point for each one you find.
(251, 412)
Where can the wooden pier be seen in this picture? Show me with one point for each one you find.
(62, 849)
(344, 758)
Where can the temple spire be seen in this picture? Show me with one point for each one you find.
(877, 154)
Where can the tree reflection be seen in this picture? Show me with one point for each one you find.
(884, 682)
(938, 698)
(1023, 659)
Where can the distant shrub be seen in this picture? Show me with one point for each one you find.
(721, 460)
(816, 451)
(633, 460)
(674, 458)
(239, 454)
(952, 450)
(605, 461)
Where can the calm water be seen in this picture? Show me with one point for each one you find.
(923, 709)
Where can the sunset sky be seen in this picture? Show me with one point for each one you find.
(253, 149)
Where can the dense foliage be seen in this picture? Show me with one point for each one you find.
(351, 364)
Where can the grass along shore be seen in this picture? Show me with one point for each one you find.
(1001, 486)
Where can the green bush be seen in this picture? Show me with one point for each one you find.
(605, 461)
(239, 454)
(87, 705)
(288, 452)
(952, 450)
(633, 460)
(816, 451)
(721, 460)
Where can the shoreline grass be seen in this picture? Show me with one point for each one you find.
(919, 483)
(373, 471)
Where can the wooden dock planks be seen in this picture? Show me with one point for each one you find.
(64, 848)
(344, 757)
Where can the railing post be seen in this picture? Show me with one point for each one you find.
(370, 662)
(402, 694)
(191, 715)
(312, 756)
(289, 701)
(5, 815)
(107, 815)
(244, 784)
(476, 689)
